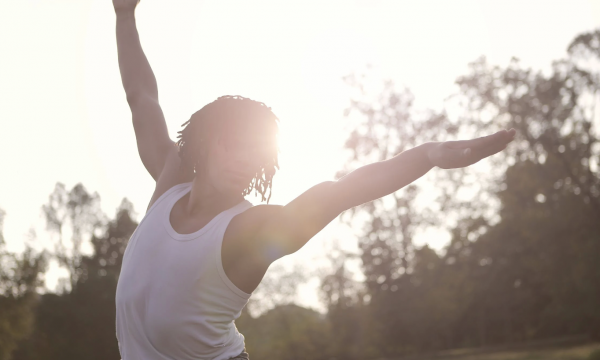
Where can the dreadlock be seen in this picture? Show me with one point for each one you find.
(216, 118)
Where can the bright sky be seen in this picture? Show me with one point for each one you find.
(63, 114)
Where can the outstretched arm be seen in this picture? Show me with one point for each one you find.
(289, 227)
(142, 93)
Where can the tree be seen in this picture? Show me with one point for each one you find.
(347, 308)
(19, 279)
(80, 323)
(543, 256)
(288, 332)
(76, 213)
(386, 127)
(523, 261)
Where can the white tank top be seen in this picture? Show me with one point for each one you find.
(173, 298)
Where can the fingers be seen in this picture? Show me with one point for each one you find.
(467, 152)
(493, 147)
(487, 146)
(500, 137)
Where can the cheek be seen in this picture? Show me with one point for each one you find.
(213, 169)
(217, 171)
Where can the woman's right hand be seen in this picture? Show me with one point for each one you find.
(125, 5)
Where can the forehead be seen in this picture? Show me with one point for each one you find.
(248, 140)
(246, 132)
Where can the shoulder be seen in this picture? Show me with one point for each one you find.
(252, 220)
(242, 236)
(244, 259)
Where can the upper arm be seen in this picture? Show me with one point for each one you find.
(151, 133)
(287, 228)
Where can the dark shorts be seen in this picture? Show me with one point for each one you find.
(243, 356)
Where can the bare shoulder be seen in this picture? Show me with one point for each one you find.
(265, 233)
(170, 175)
(246, 225)
(258, 214)
(241, 235)
(244, 259)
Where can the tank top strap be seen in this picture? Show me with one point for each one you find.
(169, 195)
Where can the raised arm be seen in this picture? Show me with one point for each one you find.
(288, 228)
(141, 90)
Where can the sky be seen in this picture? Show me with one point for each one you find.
(64, 117)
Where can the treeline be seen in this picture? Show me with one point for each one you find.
(523, 262)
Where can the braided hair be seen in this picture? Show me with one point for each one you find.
(219, 117)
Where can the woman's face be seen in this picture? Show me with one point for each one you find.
(233, 160)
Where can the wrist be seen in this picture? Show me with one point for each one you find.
(429, 148)
(125, 13)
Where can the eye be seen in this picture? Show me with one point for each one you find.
(230, 145)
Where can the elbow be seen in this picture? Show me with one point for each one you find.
(136, 97)
(133, 97)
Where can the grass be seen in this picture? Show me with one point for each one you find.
(581, 352)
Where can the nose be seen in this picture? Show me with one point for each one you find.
(243, 161)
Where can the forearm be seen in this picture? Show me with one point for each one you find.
(136, 74)
(382, 178)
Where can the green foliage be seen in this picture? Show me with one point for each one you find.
(19, 278)
(526, 268)
(287, 332)
(80, 323)
(595, 355)
(78, 211)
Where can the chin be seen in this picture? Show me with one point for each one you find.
(235, 187)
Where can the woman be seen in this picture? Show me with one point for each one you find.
(201, 249)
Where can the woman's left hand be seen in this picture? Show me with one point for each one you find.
(457, 154)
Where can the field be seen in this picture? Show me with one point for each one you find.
(580, 352)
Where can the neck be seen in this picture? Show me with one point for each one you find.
(204, 199)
